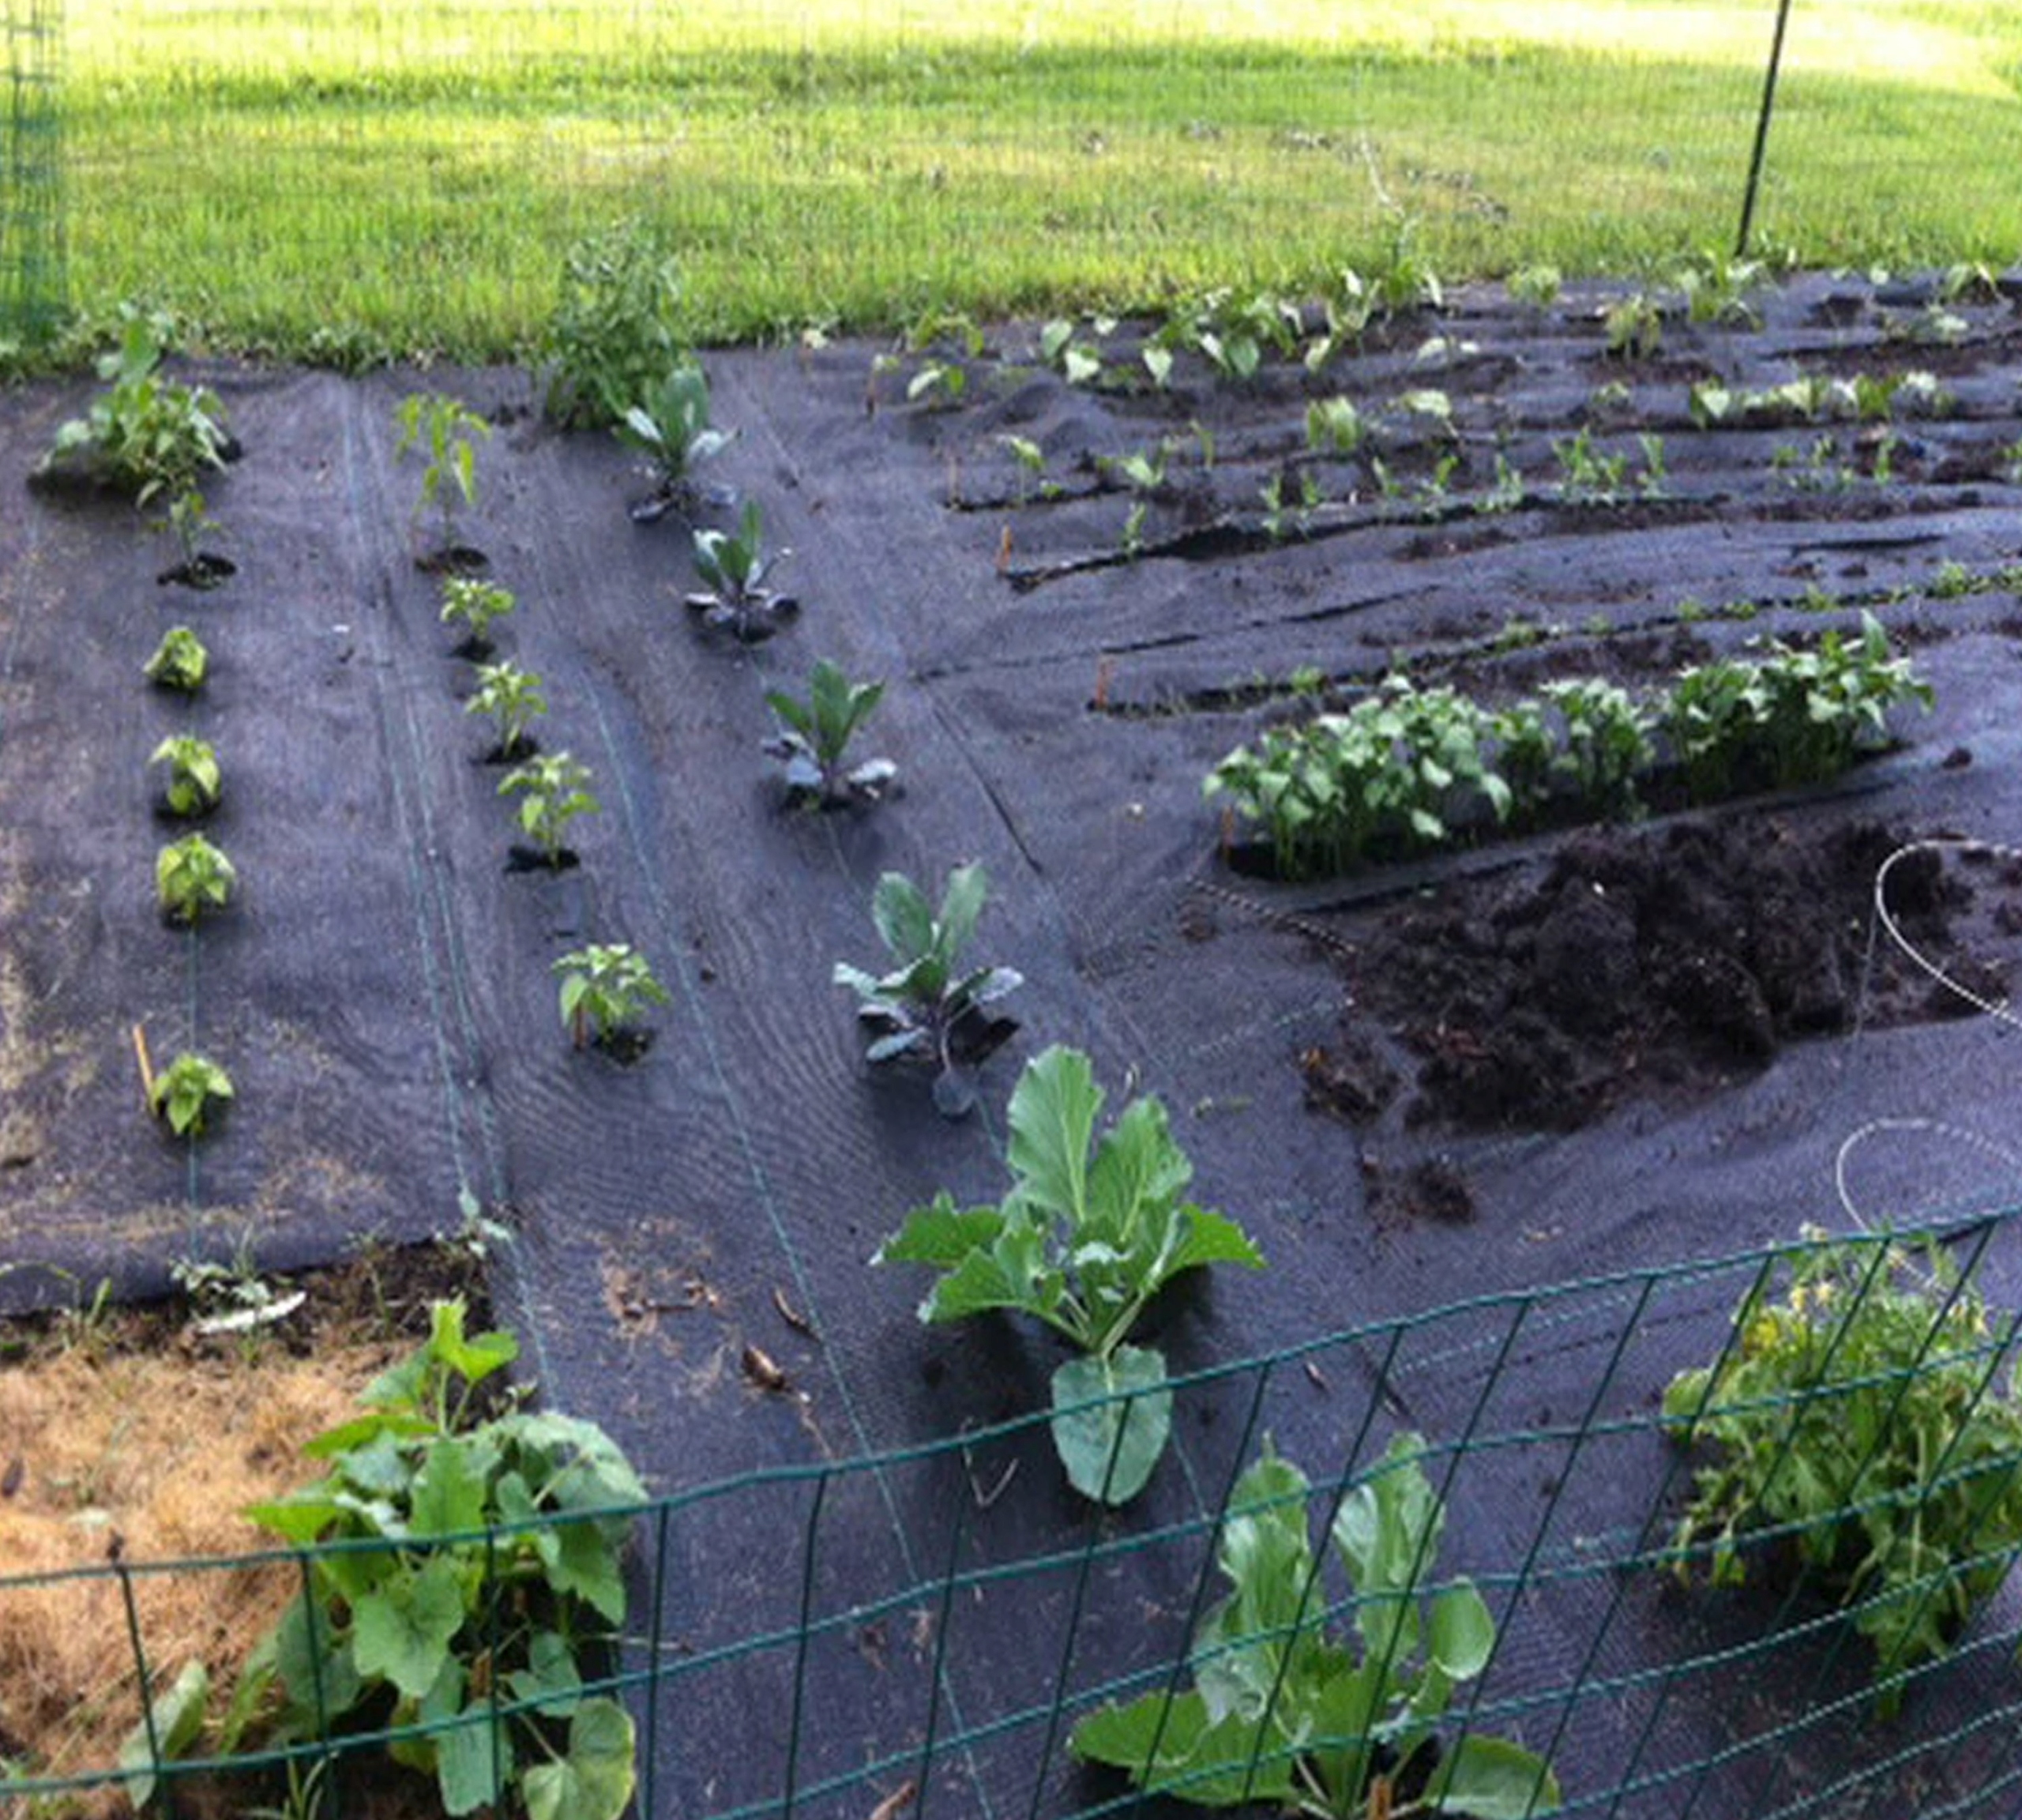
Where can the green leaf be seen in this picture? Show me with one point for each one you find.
(1053, 1114)
(402, 1633)
(941, 1234)
(961, 903)
(470, 1770)
(551, 1678)
(586, 1565)
(448, 1491)
(903, 919)
(322, 1680)
(473, 1359)
(1211, 1238)
(594, 1781)
(177, 1714)
(1110, 1449)
(1212, 1764)
(1138, 1169)
(1492, 1779)
(1388, 1532)
(1461, 1635)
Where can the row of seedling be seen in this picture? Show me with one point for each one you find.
(1407, 770)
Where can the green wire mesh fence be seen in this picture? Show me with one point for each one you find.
(32, 285)
(412, 174)
(1827, 1428)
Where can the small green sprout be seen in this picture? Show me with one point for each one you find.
(194, 779)
(185, 1094)
(605, 988)
(192, 877)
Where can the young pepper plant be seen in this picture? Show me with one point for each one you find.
(1280, 1712)
(446, 433)
(192, 877)
(183, 1095)
(818, 734)
(551, 788)
(180, 662)
(512, 699)
(923, 1006)
(194, 780)
(605, 988)
(1082, 1243)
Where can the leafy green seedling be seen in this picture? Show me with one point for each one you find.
(483, 1582)
(1607, 741)
(446, 433)
(186, 521)
(180, 661)
(670, 426)
(144, 434)
(818, 731)
(1333, 427)
(1081, 1242)
(1283, 1713)
(923, 1006)
(1634, 326)
(512, 699)
(192, 877)
(186, 1092)
(733, 567)
(1078, 361)
(474, 605)
(551, 787)
(606, 988)
(193, 781)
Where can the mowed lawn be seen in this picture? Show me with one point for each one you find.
(356, 176)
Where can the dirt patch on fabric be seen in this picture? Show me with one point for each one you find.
(1667, 962)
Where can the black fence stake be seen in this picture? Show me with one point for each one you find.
(1762, 129)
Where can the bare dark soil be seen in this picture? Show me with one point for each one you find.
(1666, 963)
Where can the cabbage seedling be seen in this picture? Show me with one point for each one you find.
(194, 779)
(733, 566)
(605, 987)
(185, 1092)
(551, 793)
(1082, 1243)
(670, 426)
(192, 877)
(512, 698)
(818, 734)
(180, 661)
(923, 1007)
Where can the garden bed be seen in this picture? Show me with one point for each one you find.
(382, 990)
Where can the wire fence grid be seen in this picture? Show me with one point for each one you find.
(260, 165)
(783, 1656)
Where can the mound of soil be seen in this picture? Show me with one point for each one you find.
(1668, 960)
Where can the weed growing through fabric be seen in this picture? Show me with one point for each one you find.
(426, 1628)
(605, 990)
(186, 1093)
(616, 330)
(1284, 1712)
(819, 729)
(1082, 1243)
(1857, 1421)
(144, 434)
(552, 787)
(924, 1006)
(194, 779)
(180, 662)
(474, 605)
(192, 878)
(512, 699)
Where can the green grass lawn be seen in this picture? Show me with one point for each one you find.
(367, 176)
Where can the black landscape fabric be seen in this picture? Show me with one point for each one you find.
(691, 1229)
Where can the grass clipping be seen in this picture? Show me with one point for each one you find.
(150, 1453)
